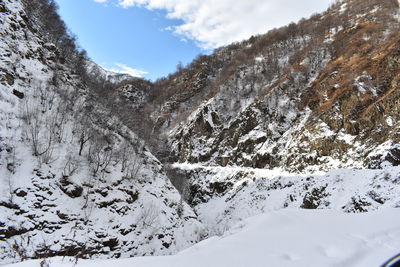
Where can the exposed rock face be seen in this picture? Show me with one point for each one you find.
(318, 95)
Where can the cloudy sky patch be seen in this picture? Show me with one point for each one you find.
(154, 35)
(124, 69)
(216, 23)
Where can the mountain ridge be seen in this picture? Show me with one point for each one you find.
(292, 75)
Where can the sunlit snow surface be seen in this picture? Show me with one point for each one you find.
(283, 238)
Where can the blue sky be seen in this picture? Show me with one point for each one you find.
(149, 37)
(134, 37)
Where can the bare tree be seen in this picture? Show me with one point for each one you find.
(60, 121)
(124, 154)
(40, 131)
(100, 154)
(84, 137)
(46, 95)
(130, 159)
(84, 131)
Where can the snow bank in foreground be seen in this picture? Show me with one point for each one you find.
(283, 238)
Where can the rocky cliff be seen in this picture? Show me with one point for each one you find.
(315, 95)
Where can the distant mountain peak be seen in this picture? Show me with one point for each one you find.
(108, 75)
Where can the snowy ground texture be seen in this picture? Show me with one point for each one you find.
(283, 238)
(224, 196)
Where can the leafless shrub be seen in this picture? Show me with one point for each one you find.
(60, 121)
(88, 203)
(149, 215)
(99, 158)
(19, 248)
(133, 168)
(44, 127)
(124, 154)
(71, 166)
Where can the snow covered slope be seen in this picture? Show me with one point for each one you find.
(298, 238)
(73, 179)
(113, 77)
(224, 196)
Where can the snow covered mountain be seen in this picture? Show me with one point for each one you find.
(256, 125)
(113, 77)
(316, 95)
(99, 165)
(302, 100)
(74, 179)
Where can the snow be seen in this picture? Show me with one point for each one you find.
(366, 37)
(259, 59)
(249, 192)
(332, 33)
(282, 238)
(111, 76)
(389, 121)
(376, 9)
(343, 8)
(257, 219)
(226, 171)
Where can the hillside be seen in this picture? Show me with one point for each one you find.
(74, 180)
(318, 95)
(100, 165)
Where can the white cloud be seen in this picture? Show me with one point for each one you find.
(100, 1)
(213, 23)
(124, 69)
